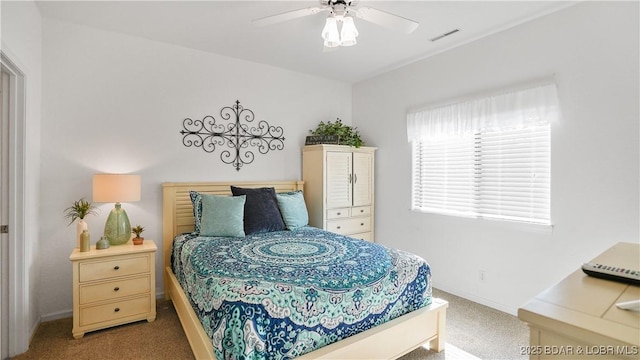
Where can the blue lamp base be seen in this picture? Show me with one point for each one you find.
(118, 228)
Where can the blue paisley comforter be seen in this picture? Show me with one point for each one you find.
(282, 294)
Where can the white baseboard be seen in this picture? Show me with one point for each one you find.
(56, 315)
(480, 300)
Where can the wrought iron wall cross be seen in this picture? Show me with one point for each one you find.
(206, 133)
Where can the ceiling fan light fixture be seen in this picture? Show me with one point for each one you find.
(330, 32)
(349, 33)
(339, 28)
(331, 44)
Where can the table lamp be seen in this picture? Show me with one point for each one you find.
(116, 188)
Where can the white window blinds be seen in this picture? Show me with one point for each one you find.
(470, 160)
(443, 175)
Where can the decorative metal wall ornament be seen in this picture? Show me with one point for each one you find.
(206, 133)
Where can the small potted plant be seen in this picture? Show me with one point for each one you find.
(335, 133)
(78, 211)
(138, 239)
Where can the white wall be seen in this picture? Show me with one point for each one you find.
(592, 48)
(115, 103)
(21, 36)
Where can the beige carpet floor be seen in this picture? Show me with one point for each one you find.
(481, 331)
(160, 339)
(473, 331)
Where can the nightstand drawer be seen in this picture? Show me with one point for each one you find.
(350, 226)
(114, 267)
(113, 289)
(116, 310)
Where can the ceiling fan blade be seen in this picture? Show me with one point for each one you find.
(386, 19)
(289, 15)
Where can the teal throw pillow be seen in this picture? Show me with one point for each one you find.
(222, 216)
(293, 209)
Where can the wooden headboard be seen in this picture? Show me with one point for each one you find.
(177, 210)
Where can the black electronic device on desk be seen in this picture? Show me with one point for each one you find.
(613, 273)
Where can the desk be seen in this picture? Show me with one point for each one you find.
(577, 318)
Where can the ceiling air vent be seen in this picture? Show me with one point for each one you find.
(445, 35)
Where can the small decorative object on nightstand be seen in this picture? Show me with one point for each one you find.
(85, 241)
(137, 230)
(79, 210)
(102, 244)
(113, 286)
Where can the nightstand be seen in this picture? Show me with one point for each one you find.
(113, 286)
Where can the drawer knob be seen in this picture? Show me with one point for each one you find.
(116, 267)
(338, 227)
(116, 309)
(339, 213)
(361, 210)
(116, 289)
(361, 224)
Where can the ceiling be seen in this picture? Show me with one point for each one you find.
(225, 28)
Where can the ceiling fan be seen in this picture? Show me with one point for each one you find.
(339, 28)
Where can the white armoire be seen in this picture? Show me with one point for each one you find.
(338, 188)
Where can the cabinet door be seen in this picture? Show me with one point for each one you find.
(339, 175)
(362, 179)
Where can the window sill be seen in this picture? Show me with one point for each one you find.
(495, 223)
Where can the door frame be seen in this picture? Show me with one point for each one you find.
(5, 93)
(20, 304)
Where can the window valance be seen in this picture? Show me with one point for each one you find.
(519, 109)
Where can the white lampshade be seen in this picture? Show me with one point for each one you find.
(330, 32)
(116, 188)
(349, 32)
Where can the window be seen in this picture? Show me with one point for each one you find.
(485, 158)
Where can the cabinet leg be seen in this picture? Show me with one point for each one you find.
(78, 335)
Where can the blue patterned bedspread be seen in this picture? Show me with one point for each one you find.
(282, 294)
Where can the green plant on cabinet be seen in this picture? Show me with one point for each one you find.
(347, 135)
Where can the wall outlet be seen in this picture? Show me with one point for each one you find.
(482, 275)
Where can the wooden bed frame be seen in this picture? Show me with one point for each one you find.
(387, 341)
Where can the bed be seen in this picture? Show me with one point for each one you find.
(387, 340)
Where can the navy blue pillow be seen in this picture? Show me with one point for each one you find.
(261, 213)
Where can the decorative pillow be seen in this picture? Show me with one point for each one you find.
(261, 213)
(293, 209)
(196, 200)
(222, 216)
